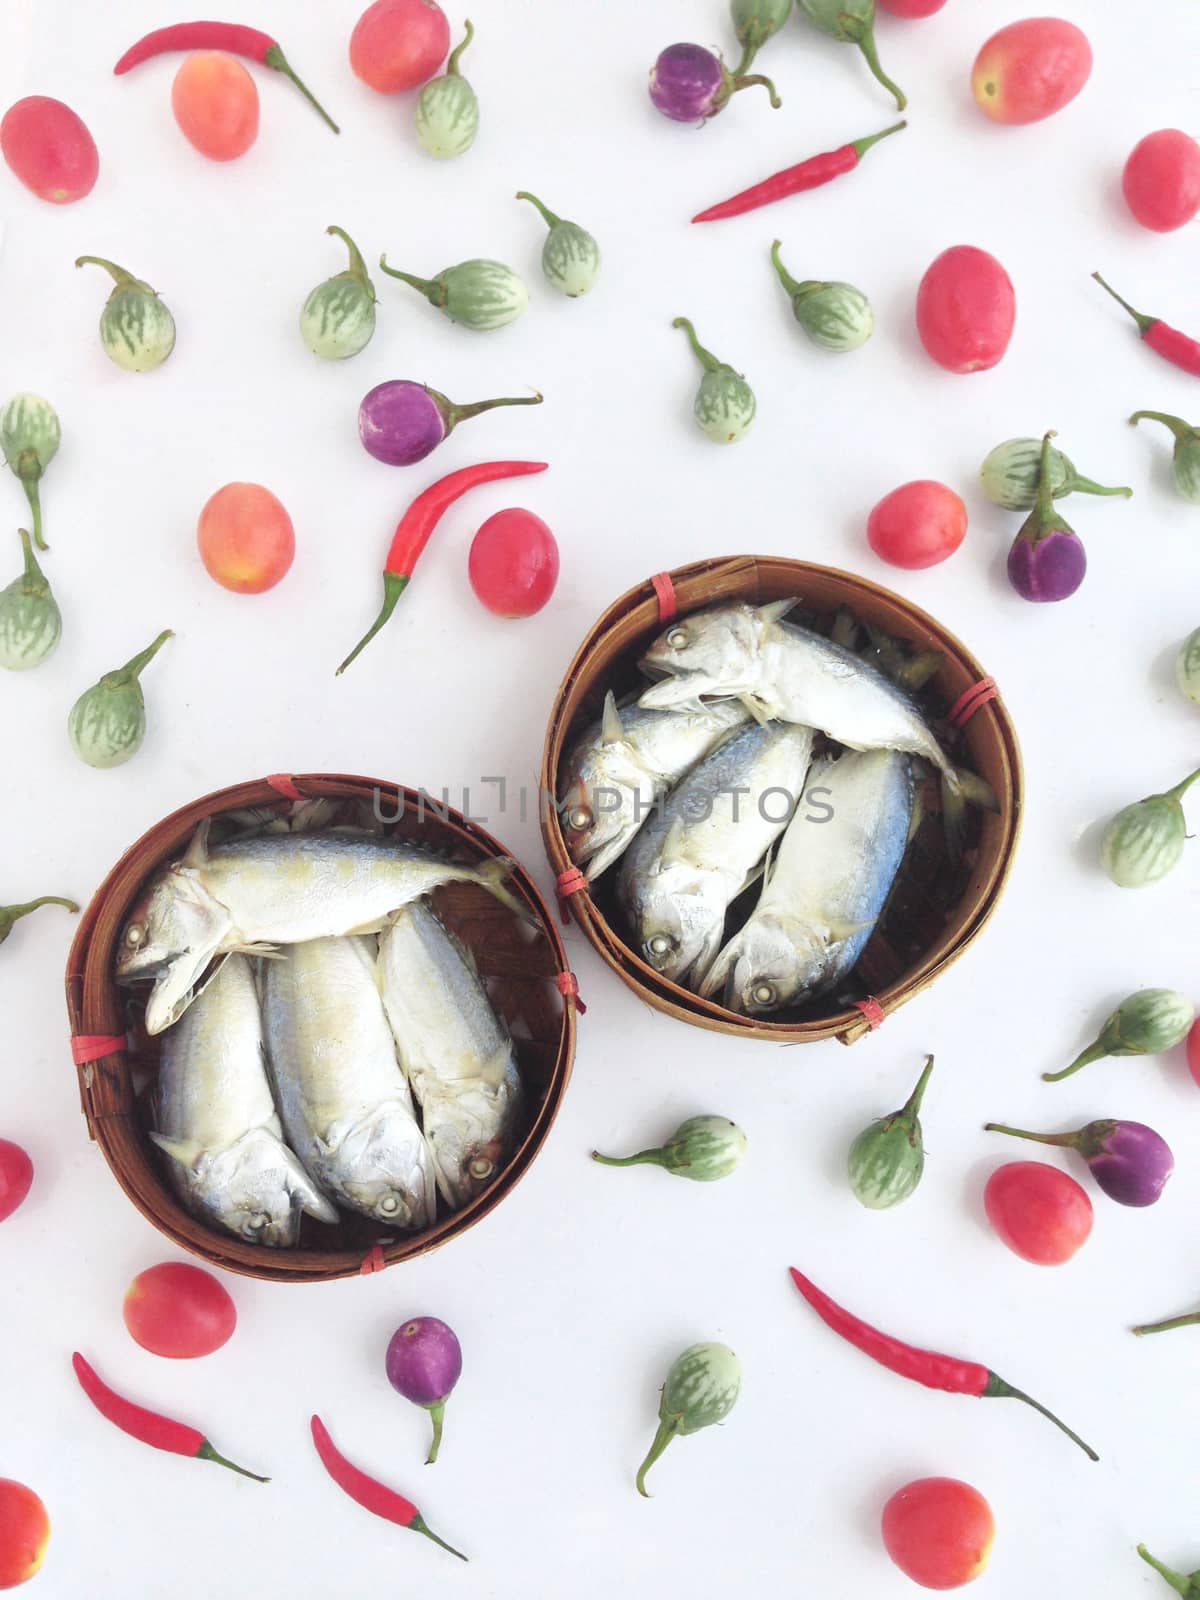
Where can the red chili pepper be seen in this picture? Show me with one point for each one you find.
(418, 522)
(161, 1433)
(369, 1493)
(1174, 346)
(922, 1366)
(810, 174)
(231, 36)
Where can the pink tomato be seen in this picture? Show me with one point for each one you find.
(513, 564)
(939, 1532)
(16, 1176)
(1040, 1213)
(215, 104)
(179, 1311)
(966, 309)
(1193, 1050)
(1031, 69)
(917, 525)
(24, 1533)
(912, 8)
(50, 149)
(398, 44)
(1161, 180)
(246, 538)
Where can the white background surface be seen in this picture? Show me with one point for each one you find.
(572, 1299)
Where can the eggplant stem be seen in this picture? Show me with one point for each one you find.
(454, 414)
(642, 1158)
(867, 45)
(358, 267)
(666, 1432)
(452, 65)
(1190, 1320)
(1082, 485)
(135, 667)
(33, 579)
(29, 481)
(437, 1412)
(754, 79)
(425, 286)
(1020, 1133)
(706, 358)
(998, 1388)
(912, 1106)
(793, 287)
(1094, 1052)
(11, 914)
(119, 275)
(1178, 1582)
(275, 58)
(394, 585)
(548, 216)
(1181, 789)
(1181, 429)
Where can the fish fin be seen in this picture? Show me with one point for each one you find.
(195, 856)
(776, 610)
(265, 952)
(977, 791)
(305, 1192)
(720, 968)
(674, 846)
(916, 672)
(364, 929)
(186, 1151)
(916, 815)
(708, 953)
(611, 731)
(493, 876)
(959, 790)
(756, 708)
(845, 628)
(495, 1069)
(840, 928)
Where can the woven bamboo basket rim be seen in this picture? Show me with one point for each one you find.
(989, 741)
(107, 1084)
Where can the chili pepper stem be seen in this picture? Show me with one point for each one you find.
(394, 585)
(1144, 322)
(358, 266)
(453, 72)
(134, 668)
(1094, 1052)
(642, 1158)
(861, 146)
(437, 1413)
(433, 292)
(419, 1525)
(666, 1432)
(1190, 1320)
(1180, 428)
(548, 216)
(276, 58)
(1178, 1582)
(706, 358)
(998, 1389)
(912, 1106)
(119, 275)
(747, 80)
(454, 414)
(207, 1453)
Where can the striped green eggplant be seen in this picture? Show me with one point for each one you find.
(1145, 840)
(29, 437)
(887, 1159)
(1011, 472)
(447, 114)
(480, 294)
(1187, 666)
(1185, 462)
(1145, 1023)
(30, 621)
(702, 1388)
(107, 723)
(725, 406)
(702, 1148)
(570, 256)
(338, 318)
(837, 316)
(136, 329)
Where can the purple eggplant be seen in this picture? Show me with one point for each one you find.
(1129, 1161)
(401, 422)
(424, 1362)
(1047, 560)
(690, 84)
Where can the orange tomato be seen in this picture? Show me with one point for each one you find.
(24, 1533)
(246, 538)
(216, 105)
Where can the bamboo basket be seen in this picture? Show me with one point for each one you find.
(526, 976)
(934, 912)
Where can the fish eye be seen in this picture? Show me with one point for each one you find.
(255, 1224)
(480, 1167)
(677, 638)
(763, 994)
(135, 935)
(389, 1205)
(579, 818)
(660, 945)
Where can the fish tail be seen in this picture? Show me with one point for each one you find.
(961, 789)
(493, 876)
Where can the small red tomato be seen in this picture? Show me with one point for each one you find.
(1193, 1050)
(1031, 69)
(179, 1311)
(16, 1175)
(216, 105)
(1161, 181)
(966, 309)
(49, 148)
(246, 538)
(912, 8)
(398, 44)
(1040, 1213)
(939, 1532)
(917, 525)
(24, 1533)
(513, 564)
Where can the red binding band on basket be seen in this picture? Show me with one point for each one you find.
(373, 1261)
(87, 1047)
(283, 783)
(565, 885)
(568, 987)
(664, 590)
(970, 700)
(871, 1009)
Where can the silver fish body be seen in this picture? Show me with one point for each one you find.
(831, 877)
(701, 849)
(276, 889)
(620, 766)
(456, 1052)
(345, 1104)
(215, 1117)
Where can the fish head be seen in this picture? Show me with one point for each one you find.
(466, 1163)
(773, 962)
(680, 918)
(386, 1168)
(710, 653)
(256, 1188)
(171, 936)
